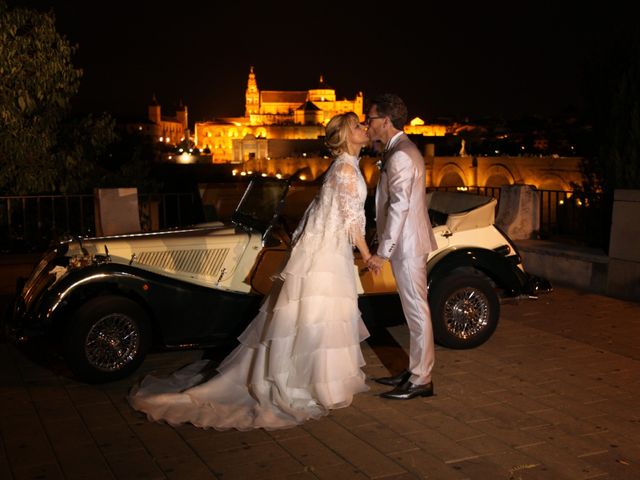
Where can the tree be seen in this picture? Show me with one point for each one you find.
(82, 147)
(129, 163)
(41, 148)
(612, 93)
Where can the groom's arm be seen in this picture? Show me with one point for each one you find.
(399, 171)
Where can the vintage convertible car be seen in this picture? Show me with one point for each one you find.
(107, 300)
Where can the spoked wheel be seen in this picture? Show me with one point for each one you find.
(464, 311)
(107, 339)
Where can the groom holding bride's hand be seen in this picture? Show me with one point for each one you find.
(405, 238)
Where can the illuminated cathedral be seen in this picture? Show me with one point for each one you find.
(276, 123)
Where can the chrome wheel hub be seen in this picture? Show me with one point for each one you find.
(112, 342)
(466, 312)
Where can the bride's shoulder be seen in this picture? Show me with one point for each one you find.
(343, 165)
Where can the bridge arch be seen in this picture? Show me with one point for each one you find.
(498, 175)
(451, 175)
(553, 182)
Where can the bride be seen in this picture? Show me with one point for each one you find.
(300, 356)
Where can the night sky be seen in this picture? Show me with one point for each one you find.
(462, 59)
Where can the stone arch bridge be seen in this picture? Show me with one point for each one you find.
(545, 173)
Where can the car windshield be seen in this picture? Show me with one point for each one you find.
(261, 203)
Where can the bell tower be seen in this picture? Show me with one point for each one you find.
(154, 111)
(252, 96)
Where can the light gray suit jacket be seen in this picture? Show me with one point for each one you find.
(402, 221)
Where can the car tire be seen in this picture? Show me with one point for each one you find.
(107, 339)
(464, 310)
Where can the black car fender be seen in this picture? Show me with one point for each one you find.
(503, 270)
(172, 304)
(81, 284)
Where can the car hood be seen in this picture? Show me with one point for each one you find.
(200, 252)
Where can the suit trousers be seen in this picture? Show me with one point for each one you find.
(411, 280)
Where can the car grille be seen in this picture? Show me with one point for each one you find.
(202, 262)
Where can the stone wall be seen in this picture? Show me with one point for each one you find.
(624, 246)
(616, 274)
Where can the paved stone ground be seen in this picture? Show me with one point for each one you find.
(553, 395)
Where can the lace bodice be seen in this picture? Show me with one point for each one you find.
(338, 209)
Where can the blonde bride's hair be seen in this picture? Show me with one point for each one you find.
(337, 132)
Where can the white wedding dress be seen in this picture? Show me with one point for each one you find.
(300, 357)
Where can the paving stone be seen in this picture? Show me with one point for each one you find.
(462, 391)
(115, 439)
(5, 470)
(448, 426)
(26, 442)
(382, 438)
(304, 475)
(617, 401)
(288, 433)
(344, 471)
(512, 416)
(518, 400)
(231, 440)
(570, 407)
(103, 414)
(263, 452)
(514, 464)
(577, 445)
(619, 446)
(15, 401)
(351, 417)
(617, 467)
(424, 465)
(188, 467)
(459, 407)
(552, 395)
(440, 446)
(484, 445)
(568, 423)
(86, 395)
(511, 436)
(83, 461)
(482, 468)
(161, 442)
(259, 461)
(360, 454)
(416, 406)
(402, 476)
(57, 409)
(367, 401)
(311, 453)
(397, 420)
(48, 471)
(67, 433)
(625, 427)
(561, 462)
(134, 464)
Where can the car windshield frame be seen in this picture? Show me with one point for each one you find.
(261, 204)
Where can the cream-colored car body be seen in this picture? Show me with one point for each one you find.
(224, 257)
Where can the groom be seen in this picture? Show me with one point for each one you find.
(405, 239)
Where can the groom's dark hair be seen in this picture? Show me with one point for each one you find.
(391, 105)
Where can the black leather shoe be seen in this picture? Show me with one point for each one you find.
(396, 380)
(409, 390)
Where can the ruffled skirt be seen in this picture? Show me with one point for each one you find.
(299, 358)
